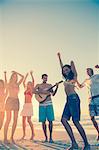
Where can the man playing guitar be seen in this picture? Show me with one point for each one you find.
(46, 107)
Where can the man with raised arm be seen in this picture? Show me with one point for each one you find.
(92, 83)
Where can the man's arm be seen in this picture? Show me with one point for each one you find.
(60, 61)
(38, 90)
(80, 85)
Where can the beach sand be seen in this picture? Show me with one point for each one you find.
(60, 137)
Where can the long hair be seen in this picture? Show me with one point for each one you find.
(70, 76)
(11, 78)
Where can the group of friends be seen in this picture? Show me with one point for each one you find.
(9, 103)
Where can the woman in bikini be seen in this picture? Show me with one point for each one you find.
(12, 104)
(72, 106)
(27, 111)
(3, 95)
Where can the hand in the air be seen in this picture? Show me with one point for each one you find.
(97, 66)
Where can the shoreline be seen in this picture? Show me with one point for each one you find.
(58, 137)
(60, 132)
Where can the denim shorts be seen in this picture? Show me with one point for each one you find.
(94, 107)
(72, 108)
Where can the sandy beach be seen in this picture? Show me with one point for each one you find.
(60, 137)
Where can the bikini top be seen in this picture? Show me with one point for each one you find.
(28, 93)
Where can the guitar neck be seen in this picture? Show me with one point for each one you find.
(55, 85)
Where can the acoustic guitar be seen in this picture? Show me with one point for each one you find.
(42, 97)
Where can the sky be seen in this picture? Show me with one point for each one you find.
(33, 31)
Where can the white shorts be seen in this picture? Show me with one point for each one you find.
(27, 110)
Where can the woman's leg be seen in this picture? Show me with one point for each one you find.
(1, 119)
(31, 126)
(23, 126)
(8, 119)
(14, 124)
(82, 132)
(70, 132)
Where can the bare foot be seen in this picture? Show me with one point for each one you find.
(32, 137)
(22, 138)
(86, 147)
(51, 141)
(74, 146)
(45, 141)
(6, 142)
(12, 141)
